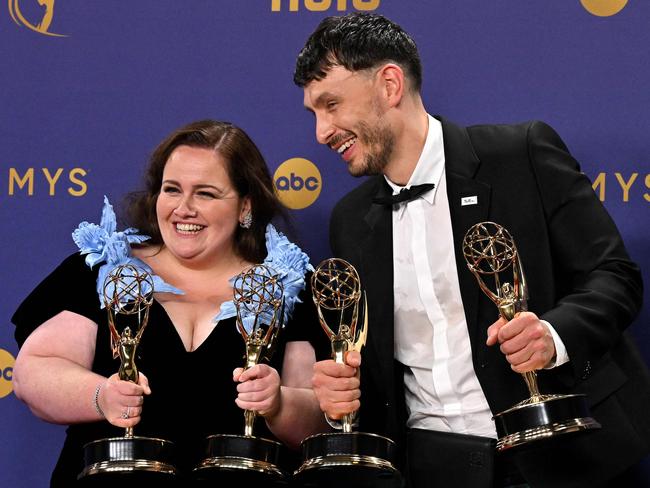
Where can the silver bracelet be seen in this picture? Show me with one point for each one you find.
(96, 400)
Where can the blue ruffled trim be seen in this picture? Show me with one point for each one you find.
(103, 244)
(289, 263)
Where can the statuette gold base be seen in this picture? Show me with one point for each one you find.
(136, 455)
(549, 416)
(348, 459)
(240, 457)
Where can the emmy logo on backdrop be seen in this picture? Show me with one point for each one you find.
(258, 296)
(344, 458)
(41, 27)
(128, 294)
(491, 254)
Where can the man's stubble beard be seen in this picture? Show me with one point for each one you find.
(379, 142)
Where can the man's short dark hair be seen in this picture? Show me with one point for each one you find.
(357, 41)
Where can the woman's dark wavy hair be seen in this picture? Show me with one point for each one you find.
(357, 41)
(247, 171)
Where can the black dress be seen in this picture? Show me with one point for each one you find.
(193, 394)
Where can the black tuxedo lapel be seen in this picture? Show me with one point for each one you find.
(376, 257)
(469, 202)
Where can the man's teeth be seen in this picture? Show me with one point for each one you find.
(188, 227)
(346, 145)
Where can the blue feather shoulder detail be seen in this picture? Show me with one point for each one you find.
(104, 244)
(289, 263)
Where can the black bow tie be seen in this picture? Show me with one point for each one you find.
(405, 195)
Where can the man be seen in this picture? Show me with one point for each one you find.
(437, 365)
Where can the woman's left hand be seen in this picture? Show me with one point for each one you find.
(259, 389)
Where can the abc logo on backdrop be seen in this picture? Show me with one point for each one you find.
(6, 373)
(298, 183)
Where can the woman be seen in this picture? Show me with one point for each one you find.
(208, 201)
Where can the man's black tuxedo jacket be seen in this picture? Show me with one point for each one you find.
(580, 279)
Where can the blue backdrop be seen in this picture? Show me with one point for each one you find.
(88, 88)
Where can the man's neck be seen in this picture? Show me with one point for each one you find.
(408, 145)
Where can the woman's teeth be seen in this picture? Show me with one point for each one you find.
(188, 227)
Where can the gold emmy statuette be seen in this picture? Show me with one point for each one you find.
(258, 296)
(344, 458)
(128, 294)
(491, 254)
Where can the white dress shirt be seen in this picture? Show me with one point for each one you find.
(431, 336)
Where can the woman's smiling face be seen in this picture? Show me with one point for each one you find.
(198, 209)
